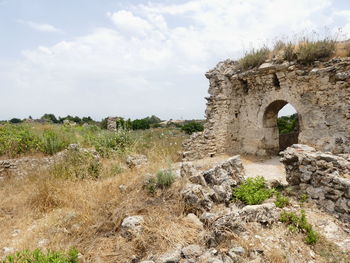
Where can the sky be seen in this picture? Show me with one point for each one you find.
(135, 58)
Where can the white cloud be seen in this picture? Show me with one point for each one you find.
(126, 20)
(42, 27)
(153, 57)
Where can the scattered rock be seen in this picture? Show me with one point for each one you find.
(136, 161)
(43, 242)
(173, 256)
(193, 219)
(8, 250)
(132, 226)
(192, 251)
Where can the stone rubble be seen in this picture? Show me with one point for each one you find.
(204, 191)
(324, 177)
(211, 186)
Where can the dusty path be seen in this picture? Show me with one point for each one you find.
(270, 169)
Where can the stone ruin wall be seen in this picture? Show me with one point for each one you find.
(242, 108)
(324, 177)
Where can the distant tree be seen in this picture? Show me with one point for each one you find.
(49, 117)
(103, 123)
(287, 124)
(140, 124)
(15, 120)
(87, 119)
(154, 119)
(192, 126)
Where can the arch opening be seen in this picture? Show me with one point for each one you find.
(281, 126)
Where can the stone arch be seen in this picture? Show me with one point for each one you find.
(274, 142)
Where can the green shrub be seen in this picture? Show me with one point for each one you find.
(38, 256)
(309, 51)
(17, 139)
(253, 191)
(254, 58)
(52, 143)
(192, 127)
(300, 224)
(77, 164)
(107, 143)
(165, 178)
(281, 201)
(162, 180)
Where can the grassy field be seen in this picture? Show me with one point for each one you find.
(66, 212)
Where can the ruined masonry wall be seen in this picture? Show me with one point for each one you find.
(239, 103)
(324, 177)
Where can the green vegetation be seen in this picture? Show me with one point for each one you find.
(299, 224)
(287, 124)
(253, 191)
(281, 201)
(308, 51)
(192, 126)
(52, 138)
(18, 139)
(162, 180)
(254, 58)
(107, 143)
(38, 256)
(77, 164)
(303, 198)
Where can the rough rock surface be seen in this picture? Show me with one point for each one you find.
(324, 177)
(111, 123)
(131, 226)
(135, 161)
(242, 108)
(212, 186)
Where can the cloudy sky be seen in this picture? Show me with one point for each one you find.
(135, 58)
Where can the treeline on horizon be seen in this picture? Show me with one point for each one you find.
(136, 124)
(188, 126)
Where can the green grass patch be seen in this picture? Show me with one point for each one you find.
(299, 224)
(38, 256)
(163, 179)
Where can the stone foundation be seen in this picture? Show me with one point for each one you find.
(23, 166)
(324, 177)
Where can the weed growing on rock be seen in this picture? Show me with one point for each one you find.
(253, 191)
(38, 256)
(299, 224)
(254, 58)
(281, 200)
(303, 198)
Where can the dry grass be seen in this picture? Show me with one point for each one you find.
(305, 50)
(86, 214)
